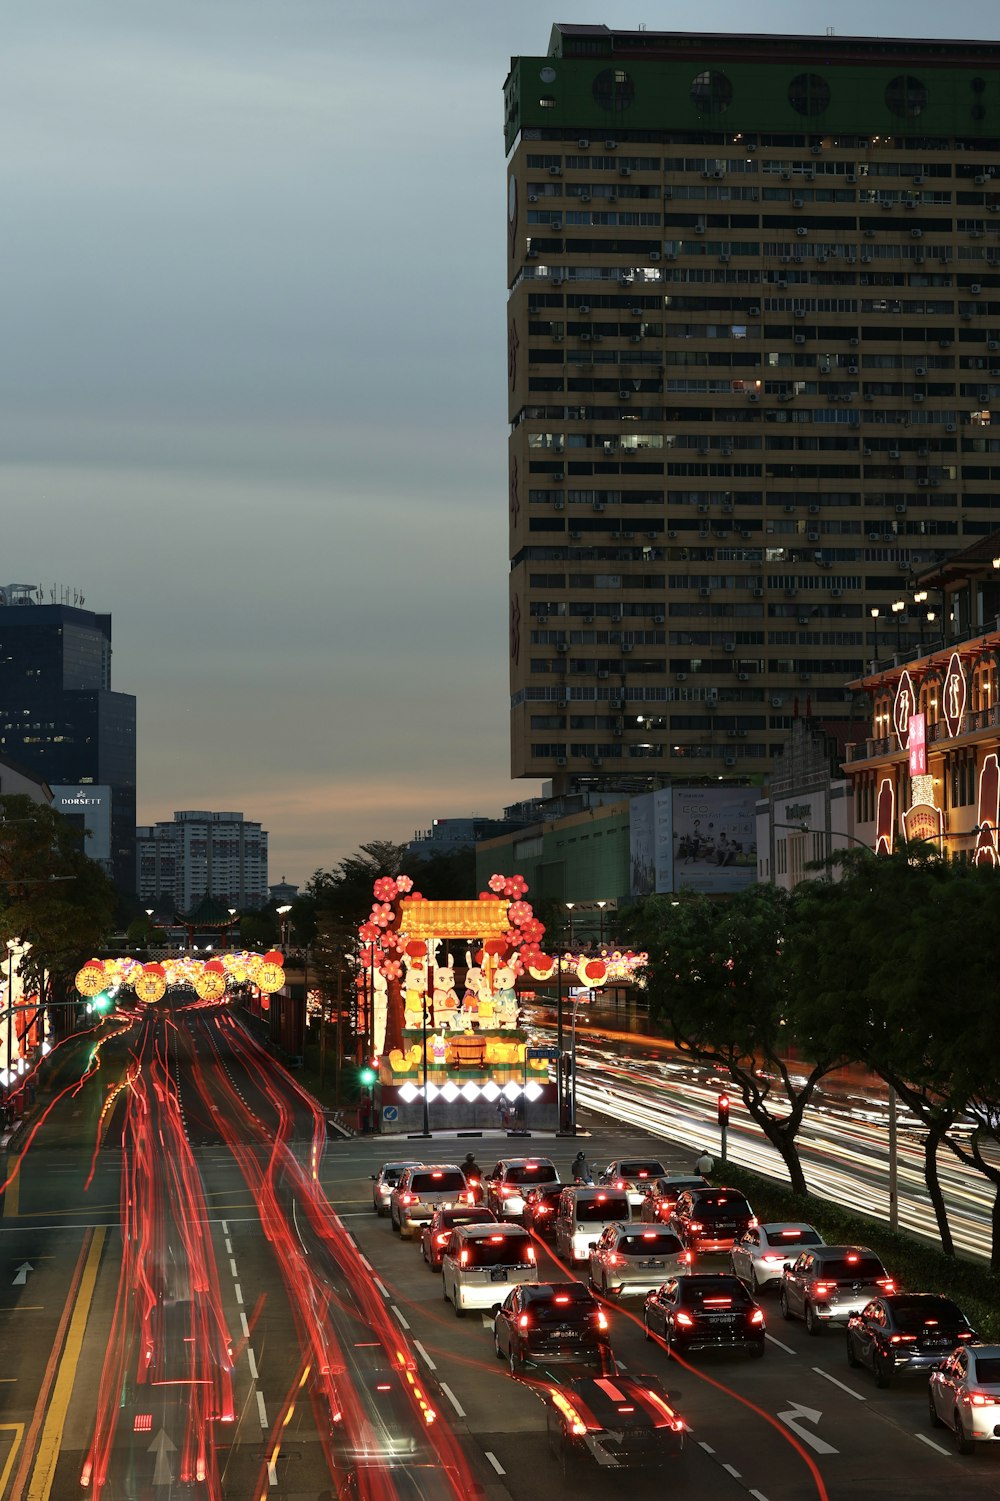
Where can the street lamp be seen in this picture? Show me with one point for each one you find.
(898, 606)
(874, 615)
(232, 920)
(601, 906)
(283, 914)
(570, 906)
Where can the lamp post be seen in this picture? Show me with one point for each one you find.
(600, 907)
(920, 599)
(232, 920)
(283, 914)
(874, 615)
(898, 606)
(569, 908)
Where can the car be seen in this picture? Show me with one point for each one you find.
(964, 1395)
(620, 1422)
(828, 1284)
(905, 1334)
(710, 1219)
(384, 1181)
(510, 1180)
(481, 1263)
(705, 1311)
(763, 1251)
(539, 1212)
(663, 1193)
(634, 1174)
(436, 1234)
(542, 1322)
(636, 1259)
(583, 1214)
(422, 1189)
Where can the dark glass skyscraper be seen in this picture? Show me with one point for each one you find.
(58, 715)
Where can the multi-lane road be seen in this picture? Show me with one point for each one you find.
(197, 1300)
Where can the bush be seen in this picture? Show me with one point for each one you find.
(916, 1266)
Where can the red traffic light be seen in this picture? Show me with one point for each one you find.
(723, 1104)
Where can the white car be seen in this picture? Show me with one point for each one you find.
(763, 1251)
(636, 1259)
(385, 1180)
(964, 1395)
(634, 1175)
(481, 1263)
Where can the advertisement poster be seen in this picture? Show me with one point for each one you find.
(714, 838)
(641, 839)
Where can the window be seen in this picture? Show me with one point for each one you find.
(906, 96)
(809, 94)
(613, 90)
(711, 93)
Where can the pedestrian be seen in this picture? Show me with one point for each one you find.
(705, 1163)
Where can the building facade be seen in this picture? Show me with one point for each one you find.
(202, 854)
(807, 814)
(58, 715)
(753, 343)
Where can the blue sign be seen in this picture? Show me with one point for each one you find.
(550, 1054)
(390, 1112)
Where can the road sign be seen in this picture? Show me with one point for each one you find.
(390, 1112)
(550, 1055)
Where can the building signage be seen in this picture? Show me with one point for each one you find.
(954, 695)
(885, 816)
(985, 852)
(922, 820)
(902, 709)
(918, 745)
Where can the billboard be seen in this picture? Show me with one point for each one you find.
(88, 807)
(714, 838)
(650, 844)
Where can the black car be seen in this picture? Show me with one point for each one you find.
(705, 1311)
(620, 1422)
(552, 1321)
(710, 1219)
(539, 1212)
(662, 1195)
(436, 1234)
(905, 1334)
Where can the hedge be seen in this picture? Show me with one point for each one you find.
(916, 1266)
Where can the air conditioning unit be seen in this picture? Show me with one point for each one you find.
(975, 289)
(659, 619)
(624, 171)
(805, 677)
(776, 703)
(704, 593)
(753, 396)
(918, 395)
(980, 180)
(814, 510)
(743, 677)
(923, 483)
(559, 505)
(812, 536)
(894, 453)
(654, 255)
(584, 197)
(555, 171)
(635, 338)
(797, 203)
(918, 180)
(754, 311)
(626, 646)
(836, 593)
(758, 594)
(800, 338)
(596, 761)
(801, 230)
(583, 145)
(681, 677)
(901, 509)
(854, 343)
(560, 760)
(672, 536)
(611, 145)
(851, 177)
(603, 672)
(950, 428)
(920, 370)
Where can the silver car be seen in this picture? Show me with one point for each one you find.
(964, 1395)
(385, 1180)
(829, 1284)
(763, 1251)
(636, 1259)
(421, 1190)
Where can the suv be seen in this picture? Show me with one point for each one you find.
(510, 1180)
(384, 1181)
(905, 1334)
(480, 1262)
(710, 1219)
(583, 1214)
(422, 1189)
(706, 1311)
(829, 1284)
(663, 1193)
(436, 1234)
(630, 1259)
(540, 1208)
(634, 1175)
(552, 1321)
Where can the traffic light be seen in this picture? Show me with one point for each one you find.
(101, 1004)
(723, 1104)
(366, 1077)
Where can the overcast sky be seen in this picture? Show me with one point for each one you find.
(252, 381)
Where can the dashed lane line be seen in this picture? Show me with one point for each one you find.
(707, 1447)
(261, 1410)
(495, 1462)
(381, 1287)
(848, 1389)
(787, 1348)
(456, 1404)
(938, 1448)
(732, 1470)
(431, 1364)
(400, 1317)
(252, 1362)
(238, 1292)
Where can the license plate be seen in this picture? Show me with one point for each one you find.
(721, 1318)
(652, 1263)
(498, 1274)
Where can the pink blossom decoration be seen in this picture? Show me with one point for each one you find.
(404, 884)
(497, 884)
(392, 969)
(385, 888)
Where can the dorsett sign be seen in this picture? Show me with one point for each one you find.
(798, 812)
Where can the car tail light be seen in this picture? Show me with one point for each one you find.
(408, 1198)
(685, 1320)
(695, 1225)
(823, 1289)
(966, 1334)
(757, 1317)
(885, 1283)
(496, 1240)
(980, 1399)
(773, 1260)
(852, 1256)
(463, 1258)
(529, 1255)
(523, 1321)
(542, 1209)
(561, 1298)
(576, 1424)
(688, 1257)
(902, 1339)
(507, 1188)
(437, 1175)
(649, 1235)
(614, 1259)
(602, 1322)
(443, 1239)
(621, 1183)
(601, 1198)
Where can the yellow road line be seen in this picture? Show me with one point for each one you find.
(17, 1429)
(44, 1472)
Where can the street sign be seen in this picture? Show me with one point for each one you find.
(390, 1112)
(550, 1055)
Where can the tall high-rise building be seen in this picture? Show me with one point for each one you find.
(753, 345)
(60, 719)
(201, 854)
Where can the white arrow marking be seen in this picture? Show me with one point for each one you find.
(161, 1446)
(22, 1273)
(795, 1416)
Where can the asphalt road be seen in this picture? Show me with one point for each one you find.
(184, 1204)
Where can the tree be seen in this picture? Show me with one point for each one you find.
(51, 895)
(723, 977)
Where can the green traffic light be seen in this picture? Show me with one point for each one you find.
(102, 1003)
(367, 1076)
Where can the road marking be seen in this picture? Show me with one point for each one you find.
(238, 1291)
(420, 1351)
(162, 1446)
(400, 1317)
(796, 1416)
(456, 1404)
(17, 1430)
(225, 1227)
(759, 1495)
(366, 1263)
(245, 1325)
(21, 1275)
(707, 1447)
(261, 1409)
(232, 1267)
(229, 1246)
(381, 1287)
(50, 1443)
(252, 1362)
(495, 1463)
(733, 1471)
(921, 1436)
(787, 1348)
(848, 1389)
(272, 1472)
(22, 1308)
